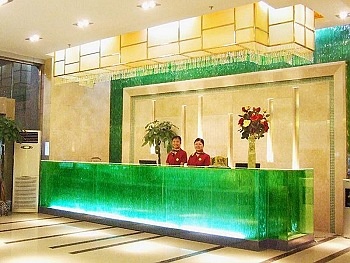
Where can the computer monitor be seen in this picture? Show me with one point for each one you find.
(245, 165)
(149, 162)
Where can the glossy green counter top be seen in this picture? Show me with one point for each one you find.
(253, 204)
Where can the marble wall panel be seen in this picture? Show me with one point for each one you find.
(79, 127)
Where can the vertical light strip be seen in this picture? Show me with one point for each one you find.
(332, 158)
(230, 140)
(183, 125)
(295, 158)
(200, 117)
(269, 148)
(153, 110)
(152, 148)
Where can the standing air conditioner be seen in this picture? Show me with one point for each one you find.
(26, 165)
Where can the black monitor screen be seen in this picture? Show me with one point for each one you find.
(245, 165)
(147, 162)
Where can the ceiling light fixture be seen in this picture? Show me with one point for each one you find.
(148, 4)
(343, 15)
(34, 38)
(83, 23)
(3, 2)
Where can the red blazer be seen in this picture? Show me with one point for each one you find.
(202, 159)
(176, 157)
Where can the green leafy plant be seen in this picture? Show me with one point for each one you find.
(157, 133)
(253, 122)
(9, 132)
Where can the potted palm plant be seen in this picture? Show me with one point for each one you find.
(157, 133)
(9, 132)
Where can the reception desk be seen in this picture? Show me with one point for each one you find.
(248, 208)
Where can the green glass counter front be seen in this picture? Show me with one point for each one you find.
(253, 204)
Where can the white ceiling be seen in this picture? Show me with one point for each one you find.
(53, 20)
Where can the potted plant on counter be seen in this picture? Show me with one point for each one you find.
(157, 133)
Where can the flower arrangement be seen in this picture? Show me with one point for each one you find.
(253, 122)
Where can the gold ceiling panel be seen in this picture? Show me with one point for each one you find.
(261, 16)
(225, 49)
(276, 38)
(133, 53)
(309, 18)
(190, 45)
(245, 16)
(299, 34)
(219, 18)
(190, 28)
(72, 55)
(163, 34)
(255, 27)
(133, 38)
(110, 61)
(163, 50)
(141, 63)
(170, 58)
(196, 54)
(88, 62)
(218, 37)
(60, 55)
(299, 14)
(281, 15)
(72, 68)
(310, 39)
(110, 46)
(58, 68)
(90, 48)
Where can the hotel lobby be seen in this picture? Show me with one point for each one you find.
(90, 100)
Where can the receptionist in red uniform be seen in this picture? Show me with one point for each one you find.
(199, 158)
(177, 156)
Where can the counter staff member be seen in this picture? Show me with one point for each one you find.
(199, 158)
(177, 156)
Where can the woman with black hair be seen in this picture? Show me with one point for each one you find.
(199, 158)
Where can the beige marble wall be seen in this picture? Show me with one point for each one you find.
(79, 122)
(317, 85)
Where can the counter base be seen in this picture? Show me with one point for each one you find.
(184, 234)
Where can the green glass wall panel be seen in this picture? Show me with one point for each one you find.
(116, 110)
(333, 44)
(252, 204)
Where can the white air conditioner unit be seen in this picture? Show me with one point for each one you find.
(27, 155)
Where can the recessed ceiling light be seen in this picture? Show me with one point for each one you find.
(145, 5)
(343, 15)
(34, 38)
(83, 23)
(2, 2)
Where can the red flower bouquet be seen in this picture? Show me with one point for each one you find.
(253, 122)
